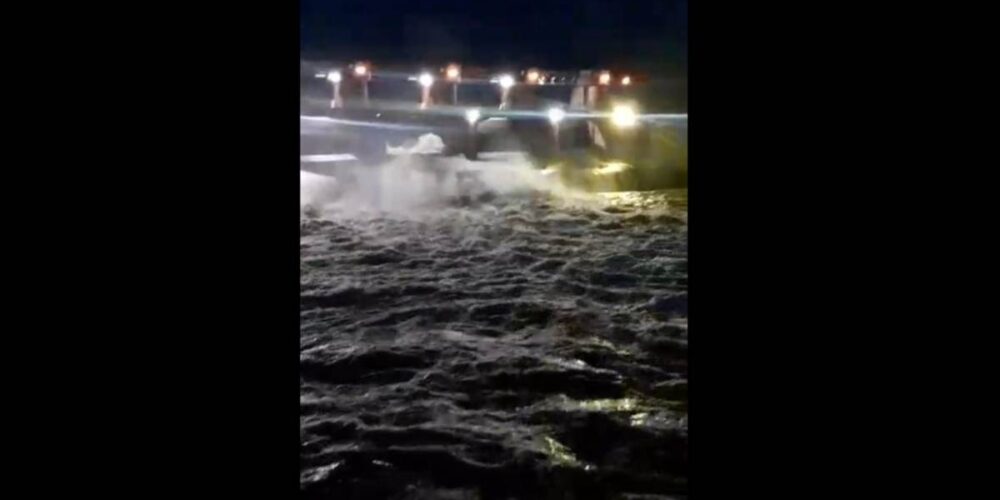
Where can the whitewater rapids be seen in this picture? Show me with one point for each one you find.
(477, 330)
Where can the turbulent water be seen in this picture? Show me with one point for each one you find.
(510, 339)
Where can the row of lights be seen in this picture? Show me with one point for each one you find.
(454, 72)
(623, 116)
(604, 78)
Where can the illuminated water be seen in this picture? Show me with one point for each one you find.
(507, 340)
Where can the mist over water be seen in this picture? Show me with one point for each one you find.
(416, 183)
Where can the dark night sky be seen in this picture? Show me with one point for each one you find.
(646, 34)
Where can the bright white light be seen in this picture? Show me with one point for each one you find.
(532, 76)
(556, 115)
(506, 81)
(623, 116)
(626, 80)
(361, 70)
(472, 115)
(426, 79)
(333, 77)
(453, 72)
(605, 78)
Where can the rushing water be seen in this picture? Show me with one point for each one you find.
(513, 340)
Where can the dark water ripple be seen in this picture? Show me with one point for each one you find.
(526, 350)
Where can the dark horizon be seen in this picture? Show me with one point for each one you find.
(645, 35)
